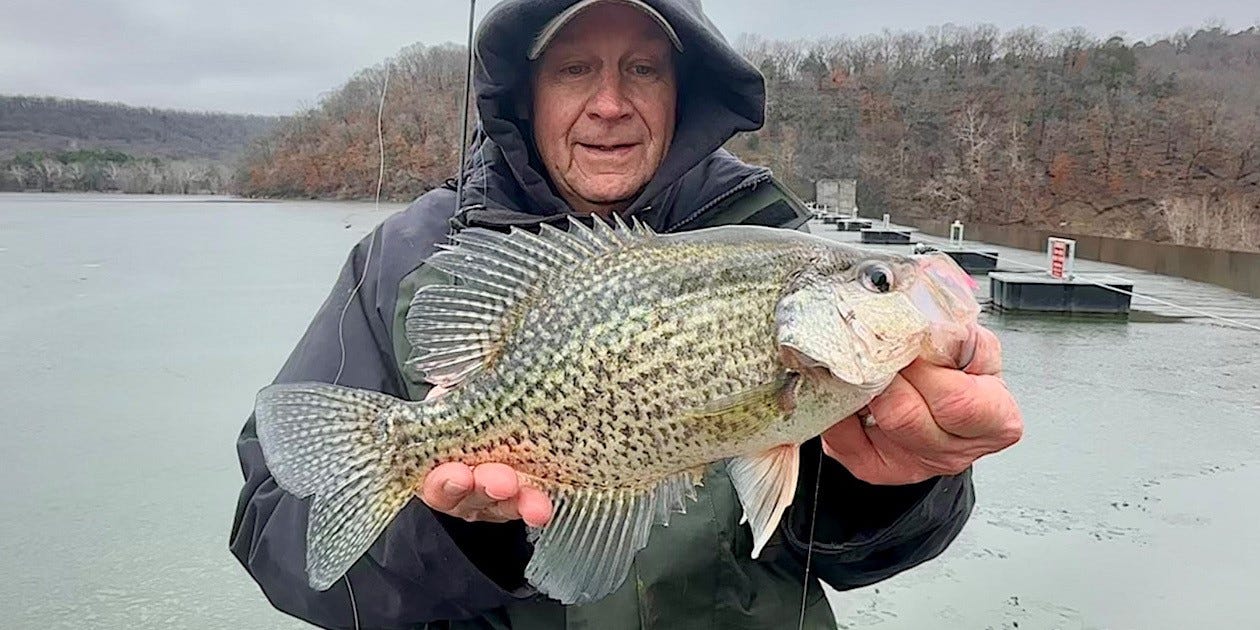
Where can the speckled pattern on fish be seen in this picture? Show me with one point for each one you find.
(609, 367)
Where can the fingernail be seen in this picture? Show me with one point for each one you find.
(968, 351)
(454, 487)
(492, 495)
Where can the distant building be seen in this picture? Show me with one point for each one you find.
(836, 195)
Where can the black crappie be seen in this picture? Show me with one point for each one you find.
(609, 367)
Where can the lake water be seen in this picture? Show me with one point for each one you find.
(135, 331)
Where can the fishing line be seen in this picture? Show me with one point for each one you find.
(809, 554)
(353, 608)
(1132, 294)
(480, 167)
(367, 262)
(380, 180)
(463, 127)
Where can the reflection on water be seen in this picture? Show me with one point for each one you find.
(135, 331)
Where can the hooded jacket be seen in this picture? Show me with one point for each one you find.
(431, 570)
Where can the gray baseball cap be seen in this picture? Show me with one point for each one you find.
(549, 31)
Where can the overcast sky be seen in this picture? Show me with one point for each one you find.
(277, 56)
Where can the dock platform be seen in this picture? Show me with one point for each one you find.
(886, 236)
(854, 224)
(972, 261)
(1078, 295)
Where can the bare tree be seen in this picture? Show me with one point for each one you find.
(19, 175)
(975, 141)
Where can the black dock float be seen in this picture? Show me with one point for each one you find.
(1078, 295)
(854, 224)
(977, 262)
(973, 261)
(885, 236)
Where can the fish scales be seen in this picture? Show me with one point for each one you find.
(618, 347)
(609, 367)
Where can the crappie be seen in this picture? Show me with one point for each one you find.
(610, 366)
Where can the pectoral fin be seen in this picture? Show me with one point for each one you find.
(766, 484)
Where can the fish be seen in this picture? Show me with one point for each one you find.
(610, 365)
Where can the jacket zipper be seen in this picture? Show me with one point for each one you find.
(748, 182)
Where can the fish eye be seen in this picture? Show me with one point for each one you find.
(876, 277)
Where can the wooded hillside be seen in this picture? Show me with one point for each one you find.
(54, 144)
(46, 124)
(332, 150)
(1153, 141)
(1159, 141)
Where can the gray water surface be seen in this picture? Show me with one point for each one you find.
(135, 331)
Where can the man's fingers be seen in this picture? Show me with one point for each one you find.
(979, 352)
(534, 506)
(847, 443)
(988, 353)
(996, 417)
(489, 492)
(962, 404)
(456, 489)
(446, 486)
(903, 414)
(870, 455)
(530, 505)
(494, 483)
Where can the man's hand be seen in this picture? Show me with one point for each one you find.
(931, 421)
(489, 492)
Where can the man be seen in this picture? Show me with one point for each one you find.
(600, 107)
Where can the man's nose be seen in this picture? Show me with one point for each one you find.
(609, 101)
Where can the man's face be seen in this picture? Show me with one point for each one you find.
(604, 100)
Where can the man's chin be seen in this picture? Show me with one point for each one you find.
(610, 195)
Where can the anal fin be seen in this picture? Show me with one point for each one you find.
(766, 484)
(585, 552)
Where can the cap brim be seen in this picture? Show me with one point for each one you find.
(553, 27)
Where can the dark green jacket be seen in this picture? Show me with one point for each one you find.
(430, 569)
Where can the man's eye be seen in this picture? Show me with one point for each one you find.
(643, 70)
(574, 70)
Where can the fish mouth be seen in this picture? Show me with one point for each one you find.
(945, 295)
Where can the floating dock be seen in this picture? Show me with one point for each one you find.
(853, 224)
(886, 236)
(1075, 295)
(973, 261)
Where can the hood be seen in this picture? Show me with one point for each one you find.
(720, 94)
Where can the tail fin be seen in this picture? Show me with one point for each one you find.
(334, 443)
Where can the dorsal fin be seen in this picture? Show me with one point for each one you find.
(456, 329)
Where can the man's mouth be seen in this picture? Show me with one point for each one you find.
(609, 150)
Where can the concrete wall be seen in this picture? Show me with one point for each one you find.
(839, 194)
(1235, 270)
